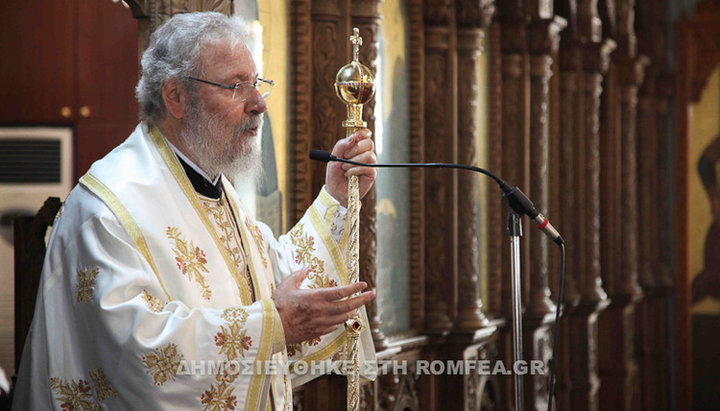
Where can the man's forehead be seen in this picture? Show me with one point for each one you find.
(228, 59)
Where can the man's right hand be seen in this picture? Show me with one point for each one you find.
(310, 313)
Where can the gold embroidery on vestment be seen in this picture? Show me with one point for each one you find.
(155, 304)
(233, 341)
(219, 397)
(190, 260)
(163, 363)
(230, 240)
(103, 389)
(257, 235)
(86, 283)
(304, 247)
(74, 396)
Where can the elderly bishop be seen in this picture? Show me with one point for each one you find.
(159, 288)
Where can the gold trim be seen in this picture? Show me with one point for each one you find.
(113, 202)
(259, 381)
(329, 243)
(250, 261)
(181, 178)
(324, 353)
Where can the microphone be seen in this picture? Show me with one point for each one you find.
(517, 200)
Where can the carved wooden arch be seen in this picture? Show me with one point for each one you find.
(698, 53)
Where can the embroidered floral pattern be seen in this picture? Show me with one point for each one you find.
(103, 389)
(304, 247)
(235, 314)
(154, 303)
(86, 284)
(163, 363)
(190, 260)
(228, 234)
(73, 396)
(233, 341)
(294, 349)
(219, 397)
(257, 235)
(322, 281)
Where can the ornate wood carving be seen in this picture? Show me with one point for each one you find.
(646, 165)
(440, 112)
(569, 133)
(543, 42)
(300, 195)
(631, 76)
(495, 210)
(513, 136)
(570, 67)
(469, 45)
(595, 65)
(417, 154)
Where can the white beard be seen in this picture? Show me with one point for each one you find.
(210, 144)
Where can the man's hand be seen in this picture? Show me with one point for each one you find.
(308, 314)
(358, 147)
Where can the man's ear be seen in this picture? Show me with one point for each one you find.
(174, 97)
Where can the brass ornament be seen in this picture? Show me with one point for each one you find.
(355, 86)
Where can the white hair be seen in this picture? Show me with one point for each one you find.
(174, 52)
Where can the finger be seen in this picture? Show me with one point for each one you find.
(361, 171)
(351, 304)
(367, 157)
(338, 319)
(336, 293)
(360, 147)
(343, 145)
(298, 277)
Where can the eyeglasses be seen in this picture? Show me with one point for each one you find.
(243, 89)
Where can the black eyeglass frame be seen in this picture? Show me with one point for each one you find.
(235, 87)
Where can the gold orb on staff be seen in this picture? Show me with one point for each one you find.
(355, 86)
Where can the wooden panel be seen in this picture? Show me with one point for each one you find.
(106, 77)
(93, 140)
(107, 62)
(37, 64)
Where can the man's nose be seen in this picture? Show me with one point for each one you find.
(255, 103)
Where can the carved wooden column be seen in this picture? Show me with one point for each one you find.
(584, 332)
(543, 41)
(665, 290)
(495, 207)
(618, 361)
(514, 144)
(647, 324)
(417, 154)
(514, 126)
(652, 312)
(300, 195)
(440, 146)
(570, 132)
(471, 17)
(366, 16)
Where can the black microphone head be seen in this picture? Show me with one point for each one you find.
(320, 155)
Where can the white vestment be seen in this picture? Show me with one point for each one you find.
(144, 304)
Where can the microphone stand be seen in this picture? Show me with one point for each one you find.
(519, 205)
(514, 227)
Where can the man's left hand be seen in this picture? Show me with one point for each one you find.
(358, 147)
